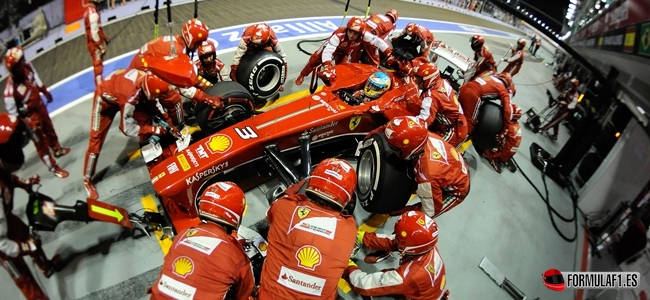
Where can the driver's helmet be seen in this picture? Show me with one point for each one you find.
(223, 203)
(333, 180)
(14, 58)
(207, 52)
(406, 135)
(13, 136)
(154, 88)
(194, 33)
(516, 112)
(377, 85)
(416, 233)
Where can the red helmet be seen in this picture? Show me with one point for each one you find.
(507, 81)
(261, 34)
(332, 180)
(154, 87)
(356, 24)
(224, 203)
(575, 82)
(427, 73)
(416, 233)
(413, 29)
(393, 14)
(407, 135)
(13, 57)
(521, 43)
(516, 112)
(195, 33)
(476, 42)
(13, 136)
(207, 48)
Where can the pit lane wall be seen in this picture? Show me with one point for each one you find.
(76, 87)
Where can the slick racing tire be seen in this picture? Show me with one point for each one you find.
(384, 181)
(262, 73)
(488, 125)
(211, 120)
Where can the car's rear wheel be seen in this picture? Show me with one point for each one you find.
(488, 125)
(262, 73)
(211, 120)
(383, 181)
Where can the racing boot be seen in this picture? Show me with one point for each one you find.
(300, 79)
(61, 152)
(90, 189)
(89, 170)
(511, 166)
(58, 172)
(377, 256)
(495, 164)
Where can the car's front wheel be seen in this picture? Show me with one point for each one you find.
(384, 183)
(211, 120)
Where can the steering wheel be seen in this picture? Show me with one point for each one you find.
(349, 98)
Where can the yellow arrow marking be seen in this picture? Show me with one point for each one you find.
(149, 204)
(107, 212)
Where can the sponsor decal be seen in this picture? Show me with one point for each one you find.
(183, 161)
(246, 133)
(211, 171)
(308, 257)
(431, 269)
(323, 127)
(172, 168)
(219, 143)
(354, 122)
(322, 135)
(438, 152)
(193, 159)
(21, 89)
(334, 174)
(321, 226)
(341, 107)
(301, 282)
(435, 155)
(644, 41)
(203, 244)
(191, 232)
(48, 208)
(324, 103)
(161, 175)
(183, 266)
(200, 151)
(175, 288)
(443, 282)
(154, 180)
(454, 153)
(303, 212)
(262, 246)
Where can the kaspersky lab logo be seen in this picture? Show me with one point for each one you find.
(558, 281)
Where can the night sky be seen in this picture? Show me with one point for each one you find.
(553, 8)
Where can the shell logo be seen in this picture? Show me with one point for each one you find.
(219, 143)
(308, 257)
(183, 266)
(262, 246)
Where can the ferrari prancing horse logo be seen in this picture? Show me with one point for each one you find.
(303, 212)
(354, 122)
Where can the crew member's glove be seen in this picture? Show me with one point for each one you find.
(28, 247)
(327, 73)
(391, 60)
(202, 83)
(500, 137)
(243, 101)
(26, 184)
(360, 234)
(215, 101)
(107, 41)
(233, 73)
(352, 266)
(504, 59)
(47, 94)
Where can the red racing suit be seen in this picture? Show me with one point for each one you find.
(428, 41)
(510, 145)
(23, 99)
(380, 25)
(514, 62)
(215, 72)
(309, 248)
(442, 177)
(483, 62)
(443, 114)
(173, 102)
(338, 48)
(484, 88)
(417, 277)
(246, 45)
(95, 39)
(120, 92)
(205, 262)
(12, 232)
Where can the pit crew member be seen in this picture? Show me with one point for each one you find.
(310, 240)
(340, 45)
(381, 25)
(207, 261)
(483, 59)
(508, 146)
(567, 103)
(258, 37)
(134, 94)
(209, 66)
(516, 60)
(95, 38)
(421, 39)
(440, 109)
(484, 88)
(441, 172)
(22, 96)
(421, 270)
(15, 240)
